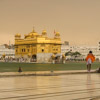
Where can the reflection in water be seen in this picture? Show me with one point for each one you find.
(38, 82)
(90, 86)
(66, 87)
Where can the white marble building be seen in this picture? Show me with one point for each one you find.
(6, 51)
(83, 49)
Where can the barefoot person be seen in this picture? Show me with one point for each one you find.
(89, 59)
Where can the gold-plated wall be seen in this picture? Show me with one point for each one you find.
(34, 43)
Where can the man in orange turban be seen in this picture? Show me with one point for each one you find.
(89, 59)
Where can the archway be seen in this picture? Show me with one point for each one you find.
(34, 58)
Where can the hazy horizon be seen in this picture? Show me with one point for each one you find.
(77, 21)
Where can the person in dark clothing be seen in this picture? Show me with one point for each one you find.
(20, 69)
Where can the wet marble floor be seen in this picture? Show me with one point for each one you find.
(64, 87)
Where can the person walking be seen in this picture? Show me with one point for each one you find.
(90, 59)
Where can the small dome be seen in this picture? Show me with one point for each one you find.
(44, 32)
(17, 35)
(57, 34)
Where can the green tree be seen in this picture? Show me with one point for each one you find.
(76, 53)
(69, 53)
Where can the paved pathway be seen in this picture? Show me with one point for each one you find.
(63, 87)
(43, 73)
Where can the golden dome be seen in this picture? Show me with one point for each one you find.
(33, 33)
(44, 32)
(57, 34)
(17, 35)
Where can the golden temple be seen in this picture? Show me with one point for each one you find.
(37, 47)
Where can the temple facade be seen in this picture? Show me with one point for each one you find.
(36, 47)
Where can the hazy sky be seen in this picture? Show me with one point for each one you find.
(78, 21)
